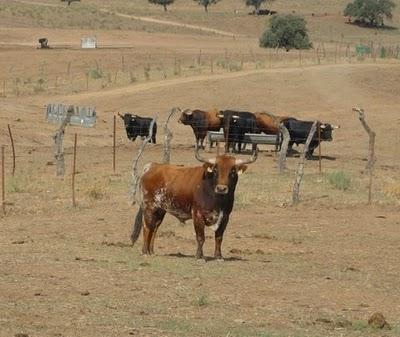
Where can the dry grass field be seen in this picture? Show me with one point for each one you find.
(319, 269)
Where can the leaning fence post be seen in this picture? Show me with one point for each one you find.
(371, 149)
(135, 175)
(167, 138)
(284, 147)
(13, 148)
(300, 170)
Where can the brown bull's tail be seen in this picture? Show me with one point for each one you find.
(137, 227)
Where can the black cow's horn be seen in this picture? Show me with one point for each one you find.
(335, 126)
(248, 161)
(322, 126)
(120, 115)
(201, 159)
(188, 112)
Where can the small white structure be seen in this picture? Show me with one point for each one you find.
(89, 42)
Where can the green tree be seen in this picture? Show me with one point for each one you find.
(163, 3)
(206, 3)
(256, 4)
(286, 31)
(371, 12)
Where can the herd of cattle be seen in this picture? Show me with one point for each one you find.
(235, 125)
(205, 193)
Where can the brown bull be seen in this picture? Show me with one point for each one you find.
(201, 122)
(203, 193)
(269, 123)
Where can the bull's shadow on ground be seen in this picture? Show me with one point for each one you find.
(206, 258)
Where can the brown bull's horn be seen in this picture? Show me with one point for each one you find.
(201, 159)
(248, 161)
(188, 112)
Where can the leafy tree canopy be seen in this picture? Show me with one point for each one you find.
(206, 3)
(256, 3)
(371, 12)
(286, 31)
(163, 3)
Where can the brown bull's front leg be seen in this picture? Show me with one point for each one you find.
(219, 234)
(200, 237)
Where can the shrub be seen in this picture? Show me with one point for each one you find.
(286, 31)
(370, 12)
(163, 3)
(339, 180)
(201, 300)
(95, 74)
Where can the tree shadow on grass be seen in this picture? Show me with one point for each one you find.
(367, 25)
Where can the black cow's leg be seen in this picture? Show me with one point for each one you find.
(310, 152)
(290, 148)
(202, 143)
(219, 234)
(199, 229)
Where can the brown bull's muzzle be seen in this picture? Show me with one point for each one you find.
(221, 189)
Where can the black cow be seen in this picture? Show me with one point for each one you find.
(299, 131)
(236, 124)
(138, 126)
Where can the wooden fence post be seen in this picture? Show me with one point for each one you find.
(284, 147)
(58, 140)
(3, 183)
(73, 173)
(300, 170)
(168, 137)
(13, 148)
(114, 134)
(371, 149)
(135, 175)
(319, 148)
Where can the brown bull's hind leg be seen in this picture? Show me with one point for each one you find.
(151, 220)
(160, 216)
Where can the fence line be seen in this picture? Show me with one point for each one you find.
(96, 78)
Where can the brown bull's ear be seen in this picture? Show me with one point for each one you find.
(208, 167)
(241, 168)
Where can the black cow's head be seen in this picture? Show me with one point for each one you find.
(130, 125)
(128, 119)
(223, 171)
(326, 131)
